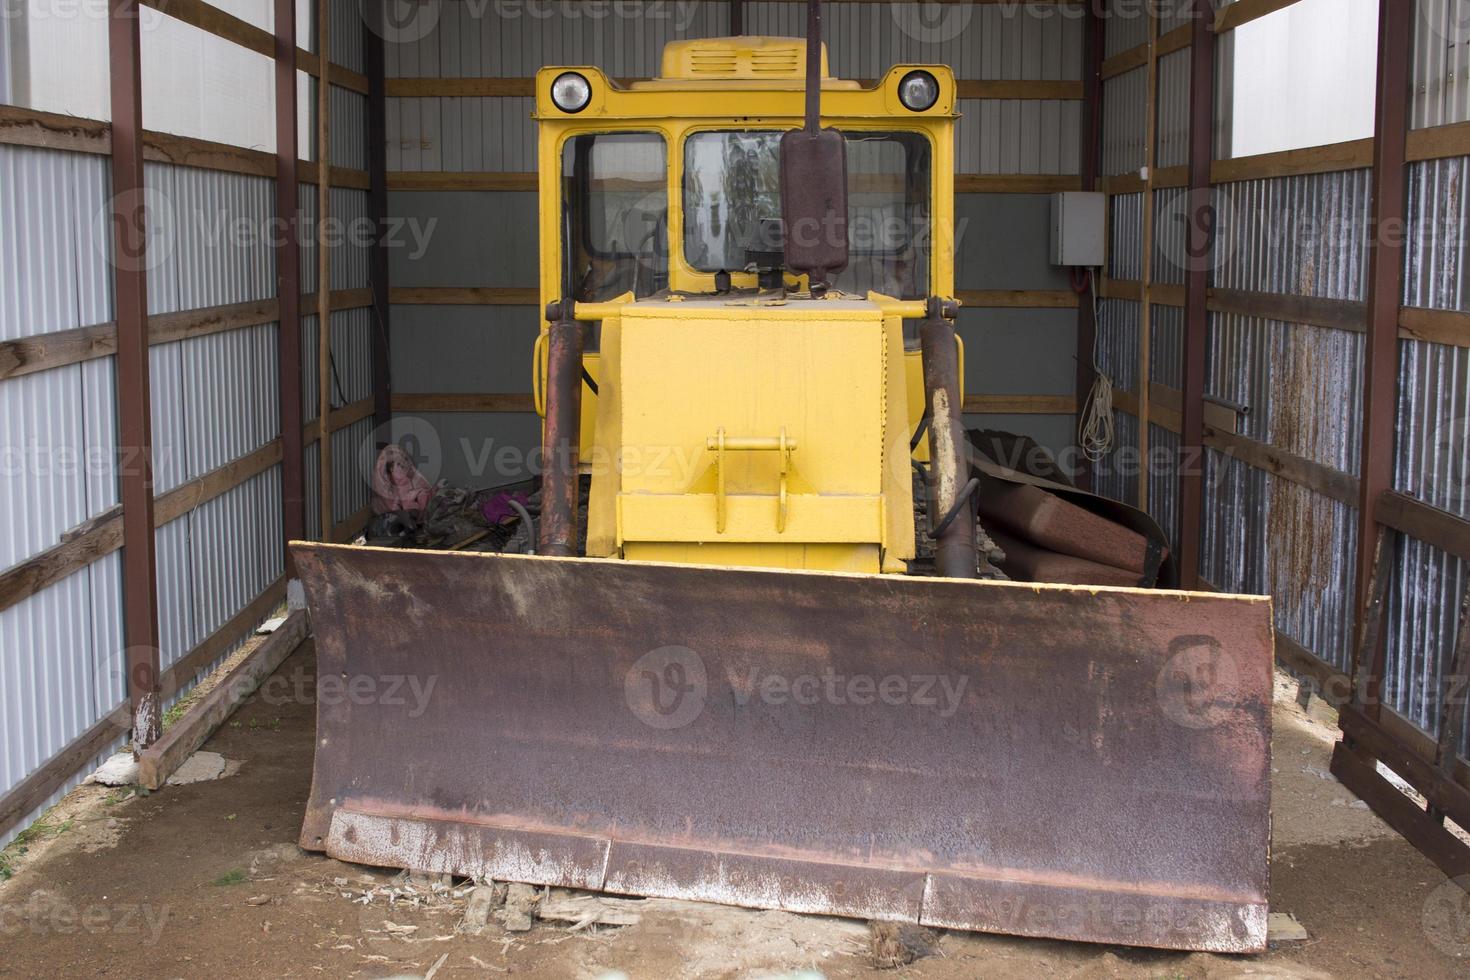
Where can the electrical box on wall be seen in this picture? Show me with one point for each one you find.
(1077, 228)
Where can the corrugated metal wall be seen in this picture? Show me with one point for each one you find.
(214, 400)
(1003, 243)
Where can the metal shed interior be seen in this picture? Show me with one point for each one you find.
(1323, 287)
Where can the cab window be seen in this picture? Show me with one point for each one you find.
(732, 207)
(615, 215)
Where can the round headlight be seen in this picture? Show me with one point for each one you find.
(918, 90)
(571, 92)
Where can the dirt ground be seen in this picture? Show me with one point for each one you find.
(205, 880)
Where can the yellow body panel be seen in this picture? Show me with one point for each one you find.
(835, 375)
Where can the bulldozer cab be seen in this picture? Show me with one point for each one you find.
(725, 675)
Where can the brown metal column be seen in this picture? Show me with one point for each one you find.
(1092, 48)
(288, 280)
(737, 17)
(135, 436)
(562, 433)
(1385, 292)
(1199, 247)
(377, 136)
(324, 265)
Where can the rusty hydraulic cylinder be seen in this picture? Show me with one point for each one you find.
(954, 552)
(562, 433)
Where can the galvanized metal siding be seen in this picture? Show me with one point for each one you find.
(1441, 82)
(1436, 270)
(1304, 235)
(348, 129)
(1124, 108)
(1125, 27)
(1117, 341)
(346, 32)
(1125, 234)
(1172, 124)
(1171, 260)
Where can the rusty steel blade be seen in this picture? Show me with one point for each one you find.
(1078, 763)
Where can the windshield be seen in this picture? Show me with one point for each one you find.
(615, 213)
(732, 207)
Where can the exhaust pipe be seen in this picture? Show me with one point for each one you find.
(954, 555)
(561, 440)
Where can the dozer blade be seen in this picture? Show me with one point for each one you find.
(1078, 763)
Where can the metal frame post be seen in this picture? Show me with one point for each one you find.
(288, 280)
(1199, 250)
(129, 221)
(1385, 294)
(1092, 51)
(377, 156)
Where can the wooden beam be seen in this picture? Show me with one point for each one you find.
(1164, 177)
(1439, 142)
(1025, 89)
(1451, 327)
(1089, 139)
(1015, 183)
(1388, 209)
(32, 792)
(1020, 404)
(464, 296)
(1429, 524)
(184, 737)
(1326, 480)
(353, 525)
(445, 402)
(413, 180)
(373, 33)
(1137, 57)
(188, 668)
(324, 267)
(1331, 158)
(129, 223)
(1145, 316)
(287, 252)
(523, 88)
(1337, 314)
(1356, 771)
(1244, 11)
(1018, 299)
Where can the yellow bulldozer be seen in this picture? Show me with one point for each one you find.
(739, 668)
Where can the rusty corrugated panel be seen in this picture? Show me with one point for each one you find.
(605, 725)
(1436, 271)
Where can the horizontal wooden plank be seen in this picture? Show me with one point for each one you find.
(464, 296)
(43, 352)
(341, 299)
(1020, 405)
(1136, 57)
(1338, 314)
(1244, 11)
(339, 419)
(188, 667)
(306, 173)
(1450, 327)
(422, 88)
(995, 88)
(1439, 142)
(180, 740)
(1018, 299)
(212, 20)
(1431, 525)
(168, 327)
(38, 787)
(424, 180)
(1164, 178)
(1323, 479)
(175, 503)
(447, 402)
(1016, 183)
(54, 131)
(1160, 293)
(77, 549)
(1333, 157)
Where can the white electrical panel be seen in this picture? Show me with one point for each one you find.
(1077, 228)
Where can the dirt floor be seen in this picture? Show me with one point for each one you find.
(205, 880)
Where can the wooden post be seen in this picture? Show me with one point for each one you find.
(1385, 293)
(377, 156)
(1146, 269)
(288, 279)
(324, 262)
(1199, 250)
(129, 222)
